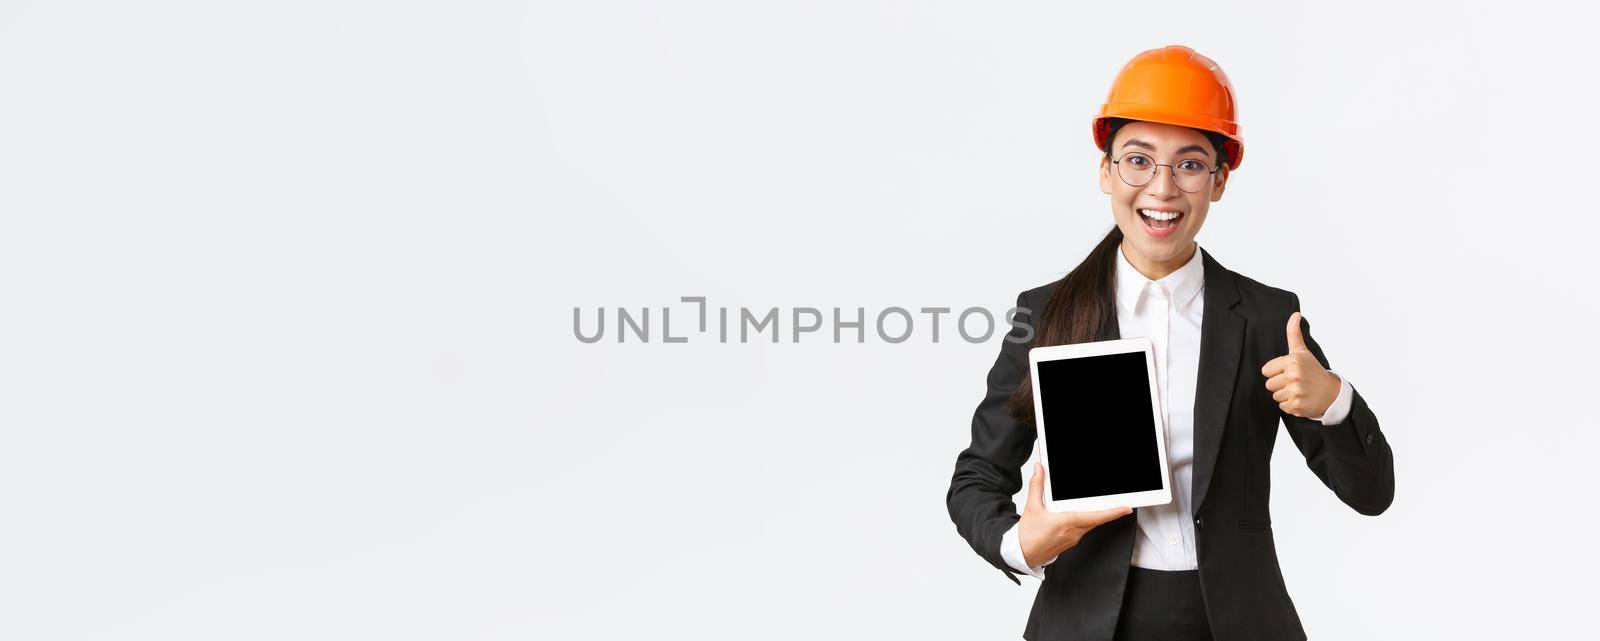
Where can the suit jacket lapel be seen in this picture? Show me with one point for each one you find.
(1221, 342)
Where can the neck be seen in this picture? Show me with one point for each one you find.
(1157, 269)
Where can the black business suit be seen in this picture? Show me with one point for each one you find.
(1236, 423)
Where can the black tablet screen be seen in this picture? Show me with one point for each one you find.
(1098, 426)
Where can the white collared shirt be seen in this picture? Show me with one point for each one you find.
(1168, 312)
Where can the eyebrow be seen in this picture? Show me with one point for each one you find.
(1151, 147)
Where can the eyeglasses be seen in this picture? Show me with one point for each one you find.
(1137, 169)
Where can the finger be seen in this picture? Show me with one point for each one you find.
(1276, 366)
(1297, 343)
(1036, 487)
(1279, 382)
(1282, 395)
(1088, 520)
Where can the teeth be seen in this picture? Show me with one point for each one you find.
(1159, 215)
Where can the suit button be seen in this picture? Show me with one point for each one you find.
(1369, 439)
(1200, 523)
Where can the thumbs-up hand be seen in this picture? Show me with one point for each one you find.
(1297, 381)
(1044, 535)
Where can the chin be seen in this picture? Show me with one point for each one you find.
(1163, 249)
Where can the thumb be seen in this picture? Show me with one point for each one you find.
(1297, 343)
(1036, 488)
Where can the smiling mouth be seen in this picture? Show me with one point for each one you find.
(1160, 219)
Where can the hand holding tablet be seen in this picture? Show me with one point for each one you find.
(1044, 535)
(1102, 442)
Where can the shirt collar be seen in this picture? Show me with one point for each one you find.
(1183, 284)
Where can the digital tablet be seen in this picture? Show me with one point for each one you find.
(1101, 435)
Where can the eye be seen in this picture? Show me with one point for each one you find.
(1192, 165)
(1138, 161)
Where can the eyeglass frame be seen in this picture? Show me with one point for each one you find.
(1171, 171)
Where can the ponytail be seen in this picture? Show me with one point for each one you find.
(1081, 309)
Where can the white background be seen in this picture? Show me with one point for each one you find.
(287, 346)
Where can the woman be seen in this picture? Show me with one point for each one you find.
(1233, 358)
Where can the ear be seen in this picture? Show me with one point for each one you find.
(1219, 182)
(1105, 174)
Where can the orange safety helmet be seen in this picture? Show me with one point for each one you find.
(1176, 86)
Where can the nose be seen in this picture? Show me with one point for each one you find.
(1163, 186)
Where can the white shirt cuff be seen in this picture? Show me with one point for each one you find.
(1341, 404)
(1011, 551)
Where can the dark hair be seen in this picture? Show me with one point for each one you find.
(1083, 307)
(1218, 141)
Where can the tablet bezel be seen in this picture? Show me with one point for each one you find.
(1101, 348)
